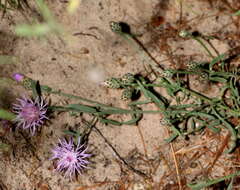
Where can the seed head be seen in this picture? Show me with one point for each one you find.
(72, 159)
(128, 78)
(26, 82)
(112, 83)
(167, 73)
(192, 65)
(115, 27)
(30, 114)
(127, 94)
(203, 76)
(184, 34)
(165, 121)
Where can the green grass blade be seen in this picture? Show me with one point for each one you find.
(205, 184)
(149, 95)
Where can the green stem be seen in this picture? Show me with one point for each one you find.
(110, 111)
(202, 97)
(7, 115)
(210, 101)
(203, 45)
(80, 98)
(231, 130)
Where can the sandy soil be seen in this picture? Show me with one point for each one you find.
(79, 65)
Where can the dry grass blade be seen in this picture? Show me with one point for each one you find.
(143, 142)
(218, 153)
(176, 165)
(185, 150)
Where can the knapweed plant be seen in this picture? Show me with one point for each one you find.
(212, 113)
(183, 119)
(185, 111)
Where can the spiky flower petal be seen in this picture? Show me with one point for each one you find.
(71, 158)
(30, 114)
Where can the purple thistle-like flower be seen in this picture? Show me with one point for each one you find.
(30, 114)
(72, 159)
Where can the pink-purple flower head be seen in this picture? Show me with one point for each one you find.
(30, 113)
(71, 158)
(18, 77)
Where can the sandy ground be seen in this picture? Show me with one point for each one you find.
(79, 65)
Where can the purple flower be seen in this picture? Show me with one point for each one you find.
(18, 77)
(30, 114)
(72, 159)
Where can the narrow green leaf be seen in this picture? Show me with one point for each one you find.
(218, 79)
(149, 95)
(113, 111)
(81, 108)
(212, 126)
(207, 183)
(230, 186)
(216, 60)
(134, 103)
(171, 138)
(109, 121)
(231, 130)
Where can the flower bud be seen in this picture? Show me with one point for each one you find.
(127, 94)
(128, 78)
(113, 83)
(18, 77)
